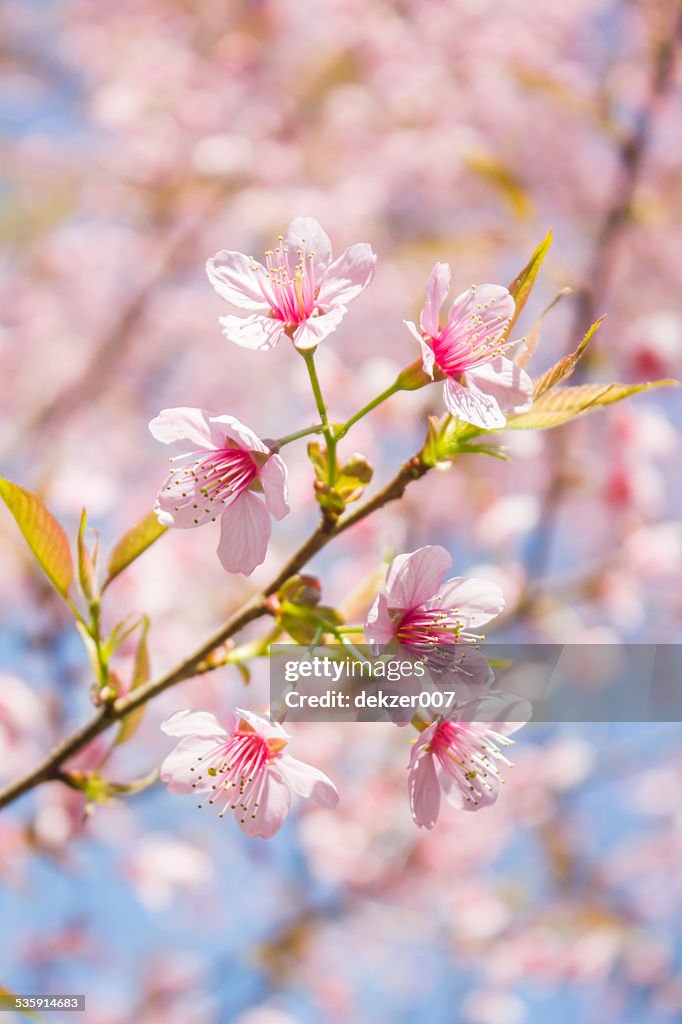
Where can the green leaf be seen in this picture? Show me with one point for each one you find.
(243, 670)
(99, 790)
(353, 477)
(301, 589)
(134, 543)
(43, 534)
(318, 457)
(447, 437)
(141, 672)
(86, 564)
(522, 285)
(329, 499)
(565, 367)
(563, 404)
(483, 449)
(90, 648)
(305, 625)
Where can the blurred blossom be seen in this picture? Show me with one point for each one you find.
(160, 868)
(653, 347)
(24, 726)
(140, 137)
(489, 1007)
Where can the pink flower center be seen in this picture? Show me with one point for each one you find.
(426, 627)
(426, 631)
(290, 289)
(468, 752)
(239, 768)
(225, 473)
(467, 342)
(214, 480)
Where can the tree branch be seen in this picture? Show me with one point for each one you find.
(51, 768)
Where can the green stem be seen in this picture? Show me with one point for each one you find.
(392, 390)
(288, 438)
(96, 634)
(309, 356)
(254, 649)
(75, 612)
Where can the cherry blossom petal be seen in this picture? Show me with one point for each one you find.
(180, 768)
(308, 781)
(183, 425)
(415, 577)
(472, 405)
(347, 276)
(468, 671)
(309, 333)
(273, 476)
(273, 807)
(489, 307)
(265, 727)
(379, 627)
(422, 783)
(260, 333)
(189, 722)
(235, 278)
(181, 504)
(503, 712)
(469, 794)
(510, 386)
(475, 601)
(244, 534)
(437, 288)
(306, 234)
(428, 357)
(230, 427)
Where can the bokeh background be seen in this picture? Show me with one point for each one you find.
(137, 139)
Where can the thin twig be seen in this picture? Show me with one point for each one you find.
(51, 768)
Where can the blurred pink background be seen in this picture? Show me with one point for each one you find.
(137, 140)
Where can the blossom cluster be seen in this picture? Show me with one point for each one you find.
(301, 294)
(223, 470)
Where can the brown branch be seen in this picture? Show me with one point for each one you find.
(51, 768)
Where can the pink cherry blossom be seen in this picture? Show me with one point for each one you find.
(433, 617)
(481, 384)
(299, 291)
(460, 756)
(242, 767)
(225, 471)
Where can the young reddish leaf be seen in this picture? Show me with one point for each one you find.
(522, 285)
(563, 404)
(43, 534)
(134, 543)
(565, 367)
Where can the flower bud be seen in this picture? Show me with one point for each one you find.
(413, 377)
